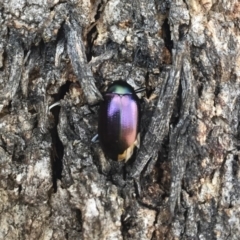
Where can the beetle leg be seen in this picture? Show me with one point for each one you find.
(127, 153)
(137, 141)
(122, 156)
(95, 139)
(54, 105)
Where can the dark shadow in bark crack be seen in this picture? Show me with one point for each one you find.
(57, 146)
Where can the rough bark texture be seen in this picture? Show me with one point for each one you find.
(183, 182)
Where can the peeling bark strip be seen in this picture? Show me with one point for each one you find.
(159, 125)
(181, 135)
(78, 58)
(15, 55)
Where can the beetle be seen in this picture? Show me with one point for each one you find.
(118, 122)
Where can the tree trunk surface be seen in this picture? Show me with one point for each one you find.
(184, 180)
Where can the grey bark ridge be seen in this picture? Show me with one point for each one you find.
(77, 54)
(160, 120)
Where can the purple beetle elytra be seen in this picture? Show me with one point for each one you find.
(118, 123)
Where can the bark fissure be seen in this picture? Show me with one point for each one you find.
(57, 146)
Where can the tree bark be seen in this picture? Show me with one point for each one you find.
(184, 180)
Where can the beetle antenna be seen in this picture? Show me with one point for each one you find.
(140, 90)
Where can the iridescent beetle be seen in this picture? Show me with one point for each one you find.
(119, 118)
